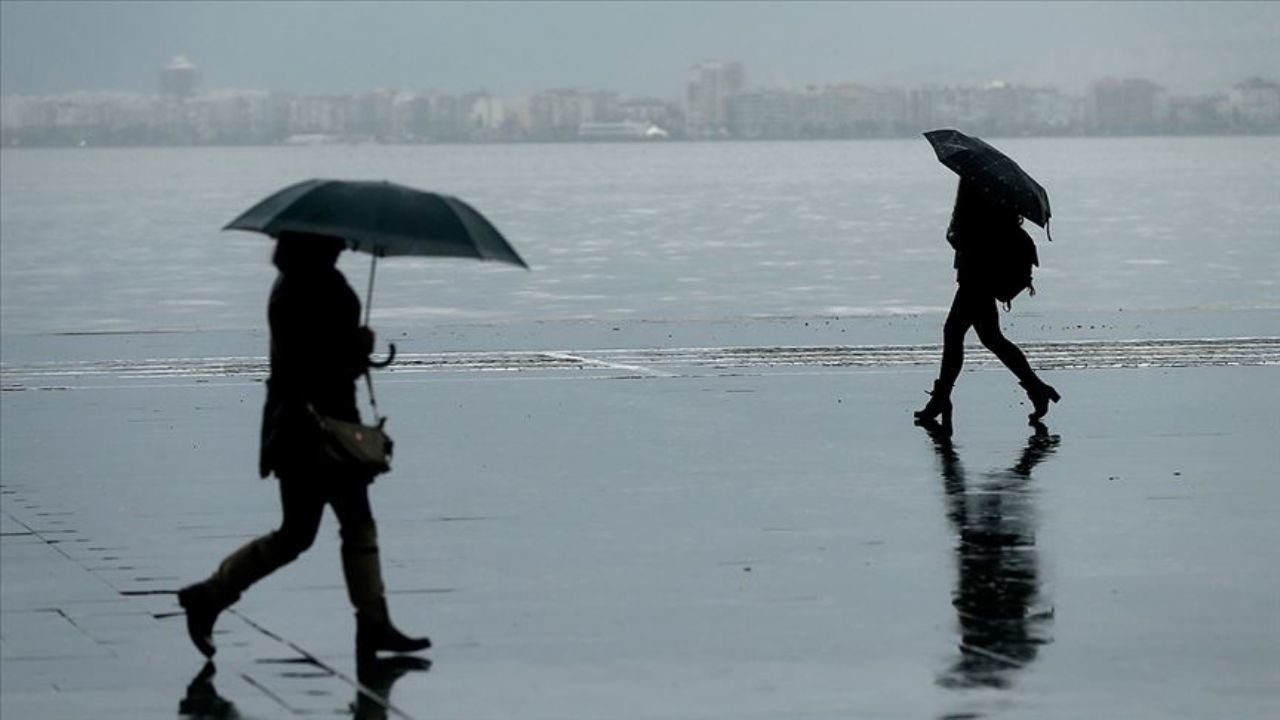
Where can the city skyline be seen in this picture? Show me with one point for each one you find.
(640, 49)
(718, 103)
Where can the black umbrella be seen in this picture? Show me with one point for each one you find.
(380, 218)
(975, 160)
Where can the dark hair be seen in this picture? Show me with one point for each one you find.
(305, 251)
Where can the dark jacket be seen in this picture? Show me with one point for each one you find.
(316, 356)
(982, 231)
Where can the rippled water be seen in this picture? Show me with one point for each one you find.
(128, 239)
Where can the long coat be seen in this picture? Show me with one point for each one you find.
(316, 356)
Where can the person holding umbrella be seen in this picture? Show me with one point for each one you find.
(319, 347)
(318, 350)
(993, 196)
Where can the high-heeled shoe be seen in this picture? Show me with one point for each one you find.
(939, 405)
(1040, 394)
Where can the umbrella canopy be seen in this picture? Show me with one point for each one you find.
(975, 160)
(380, 218)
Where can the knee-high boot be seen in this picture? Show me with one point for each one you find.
(374, 632)
(205, 600)
(251, 562)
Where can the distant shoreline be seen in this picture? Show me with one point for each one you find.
(359, 142)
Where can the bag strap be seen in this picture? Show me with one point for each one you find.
(373, 400)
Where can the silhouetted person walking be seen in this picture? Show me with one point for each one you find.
(984, 234)
(318, 349)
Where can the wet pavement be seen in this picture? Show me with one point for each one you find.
(618, 524)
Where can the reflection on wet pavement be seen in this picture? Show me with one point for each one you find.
(1001, 618)
(202, 701)
(373, 698)
(597, 558)
(372, 691)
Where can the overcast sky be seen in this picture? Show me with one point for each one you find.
(634, 48)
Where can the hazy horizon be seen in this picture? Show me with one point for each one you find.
(633, 48)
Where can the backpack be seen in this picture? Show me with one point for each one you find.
(1010, 263)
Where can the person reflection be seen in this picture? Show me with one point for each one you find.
(372, 701)
(998, 584)
(202, 701)
(373, 698)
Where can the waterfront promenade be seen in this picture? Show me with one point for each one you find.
(664, 520)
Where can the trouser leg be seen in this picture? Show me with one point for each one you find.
(301, 507)
(959, 319)
(986, 320)
(361, 563)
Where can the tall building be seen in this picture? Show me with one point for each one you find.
(709, 89)
(179, 78)
(1132, 106)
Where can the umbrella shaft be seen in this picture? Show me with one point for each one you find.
(368, 308)
(368, 300)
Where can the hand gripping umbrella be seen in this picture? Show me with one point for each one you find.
(975, 160)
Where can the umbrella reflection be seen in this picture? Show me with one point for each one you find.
(998, 584)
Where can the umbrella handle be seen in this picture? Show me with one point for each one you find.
(391, 355)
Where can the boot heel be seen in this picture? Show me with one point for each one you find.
(1040, 396)
(939, 405)
(374, 632)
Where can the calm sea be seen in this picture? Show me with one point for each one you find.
(95, 240)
